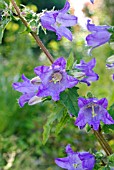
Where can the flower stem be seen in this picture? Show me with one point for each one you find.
(103, 142)
(38, 40)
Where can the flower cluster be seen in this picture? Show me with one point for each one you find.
(76, 160)
(50, 81)
(92, 111)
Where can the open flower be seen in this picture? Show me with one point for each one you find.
(54, 79)
(29, 88)
(76, 160)
(85, 71)
(58, 21)
(92, 111)
(100, 35)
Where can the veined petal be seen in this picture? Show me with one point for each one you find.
(66, 20)
(63, 31)
(59, 64)
(65, 8)
(103, 102)
(94, 28)
(63, 162)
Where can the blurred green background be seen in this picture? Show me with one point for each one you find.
(21, 128)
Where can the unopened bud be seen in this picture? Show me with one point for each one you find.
(35, 100)
(36, 80)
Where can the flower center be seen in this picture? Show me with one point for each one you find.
(58, 24)
(56, 77)
(93, 111)
(75, 165)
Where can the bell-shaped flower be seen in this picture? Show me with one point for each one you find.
(99, 35)
(58, 21)
(91, 112)
(29, 89)
(84, 72)
(54, 79)
(76, 160)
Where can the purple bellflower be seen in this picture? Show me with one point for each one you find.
(54, 79)
(85, 72)
(29, 88)
(92, 111)
(76, 160)
(99, 36)
(58, 21)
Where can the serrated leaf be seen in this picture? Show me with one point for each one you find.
(56, 115)
(70, 61)
(62, 123)
(70, 100)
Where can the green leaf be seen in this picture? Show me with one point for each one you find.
(69, 98)
(62, 123)
(46, 133)
(3, 25)
(70, 61)
(57, 114)
(111, 160)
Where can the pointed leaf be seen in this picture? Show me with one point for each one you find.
(69, 99)
(62, 123)
(70, 61)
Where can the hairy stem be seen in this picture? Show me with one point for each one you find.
(39, 42)
(103, 142)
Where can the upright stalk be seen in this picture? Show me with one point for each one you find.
(39, 42)
(104, 144)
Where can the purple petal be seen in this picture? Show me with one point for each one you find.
(107, 119)
(25, 98)
(65, 8)
(47, 20)
(63, 31)
(94, 28)
(87, 159)
(66, 20)
(63, 162)
(82, 102)
(103, 102)
(69, 149)
(59, 64)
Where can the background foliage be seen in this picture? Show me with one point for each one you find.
(21, 129)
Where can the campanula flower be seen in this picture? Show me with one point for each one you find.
(76, 160)
(85, 72)
(29, 89)
(58, 21)
(92, 111)
(54, 79)
(100, 35)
